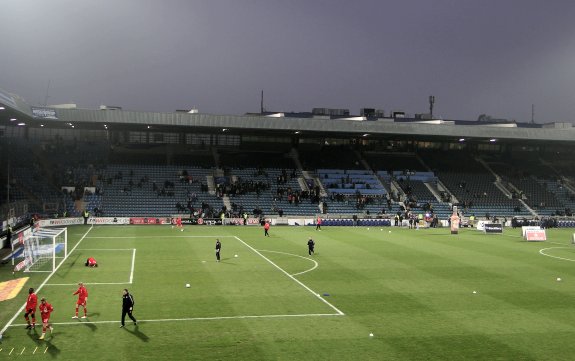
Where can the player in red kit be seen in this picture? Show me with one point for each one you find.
(266, 229)
(179, 223)
(91, 262)
(45, 310)
(31, 304)
(82, 293)
(318, 224)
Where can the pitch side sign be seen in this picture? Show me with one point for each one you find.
(535, 235)
(202, 221)
(493, 228)
(149, 220)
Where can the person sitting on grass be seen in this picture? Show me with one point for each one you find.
(91, 262)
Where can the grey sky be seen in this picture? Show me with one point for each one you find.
(476, 56)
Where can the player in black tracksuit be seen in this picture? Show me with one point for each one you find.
(310, 246)
(127, 307)
(218, 249)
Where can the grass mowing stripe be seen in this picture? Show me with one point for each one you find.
(192, 319)
(45, 281)
(292, 277)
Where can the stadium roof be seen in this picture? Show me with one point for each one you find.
(17, 111)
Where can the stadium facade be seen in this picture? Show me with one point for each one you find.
(338, 163)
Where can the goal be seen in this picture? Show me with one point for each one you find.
(41, 250)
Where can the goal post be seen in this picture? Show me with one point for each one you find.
(42, 250)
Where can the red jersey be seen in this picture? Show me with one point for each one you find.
(179, 221)
(82, 293)
(318, 220)
(32, 302)
(46, 309)
(91, 261)
(267, 226)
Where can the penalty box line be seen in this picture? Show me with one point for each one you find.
(105, 283)
(89, 284)
(193, 319)
(160, 236)
(339, 312)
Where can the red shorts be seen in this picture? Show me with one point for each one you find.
(81, 303)
(45, 320)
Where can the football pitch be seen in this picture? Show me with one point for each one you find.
(422, 295)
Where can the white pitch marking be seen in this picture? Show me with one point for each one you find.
(88, 283)
(24, 349)
(195, 319)
(35, 350)
(292, 277)
(46, 350)
(106, 283)
(541, 251)
(105, 249)
(295, 255)
(140, 237)
(45, 281)
(562, 244)
(133, 264)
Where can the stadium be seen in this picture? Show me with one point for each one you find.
(391, 278)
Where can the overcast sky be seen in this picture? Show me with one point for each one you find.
(494, 57)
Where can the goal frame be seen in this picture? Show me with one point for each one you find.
(32, 252)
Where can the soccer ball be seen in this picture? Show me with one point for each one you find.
(182, 229)
(188, 285)
(235, 255)
(558, 279)
(371, 335)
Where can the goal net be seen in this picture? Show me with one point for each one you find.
(41, 250)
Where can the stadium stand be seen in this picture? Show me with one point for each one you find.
(64, 177)
(156, 190)
(473, 186)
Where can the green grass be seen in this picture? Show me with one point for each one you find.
(412, 289)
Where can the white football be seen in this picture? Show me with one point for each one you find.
(235, 255)
(188, 285)
(558, 279)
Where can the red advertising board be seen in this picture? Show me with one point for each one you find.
(535, 235)
(149, 220)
